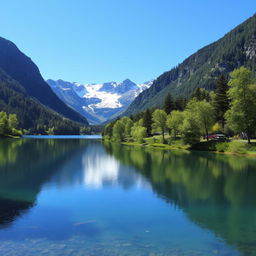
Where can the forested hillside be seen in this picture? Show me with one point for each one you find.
(235, 49)
(32, 115)
(21, 68)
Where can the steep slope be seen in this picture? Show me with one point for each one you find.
(21, 68)
(98, 102)
(31, 113)
(201, 69)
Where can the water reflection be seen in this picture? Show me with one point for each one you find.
(94, 169)
(216, 192)
(25, 165)
(81, 191)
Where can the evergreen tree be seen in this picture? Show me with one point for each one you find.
(180, 103)
(221, 101)
(201, 94)
(169, 105)
(147, 122)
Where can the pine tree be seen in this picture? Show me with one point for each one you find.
(180, 103)
(201, 94)
(147, 122)
(221, 102)
(197, 94)
(169, 105)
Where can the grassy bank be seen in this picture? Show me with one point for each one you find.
(239, 147)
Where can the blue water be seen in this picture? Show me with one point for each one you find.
(86, 197)
(62, 137)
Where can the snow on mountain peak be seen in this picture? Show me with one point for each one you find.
(99, 102)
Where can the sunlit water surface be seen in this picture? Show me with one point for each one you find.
(85, 197)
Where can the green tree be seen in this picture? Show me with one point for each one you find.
(138, 133)
(190, 128)
(118, 131)
(108, 130)
(13, 121)
(221, 100)
(201, 94)
(50, 131)
(180, 103)
(147, 122)
(169, 104)
(128, 123)
(174, 122)
(159, 121)
(241, 116)
(4, 126)
(205, 112)
(198, 119)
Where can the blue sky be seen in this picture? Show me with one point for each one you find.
(111, 40)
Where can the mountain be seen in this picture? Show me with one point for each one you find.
(235, 49)
(98, 102)
(32, 114)
(19, 69)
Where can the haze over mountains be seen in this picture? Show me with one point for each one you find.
(98, 102)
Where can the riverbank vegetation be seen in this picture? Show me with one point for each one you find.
(228, 111)
(9, 125)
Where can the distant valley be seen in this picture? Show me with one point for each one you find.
(98, 103)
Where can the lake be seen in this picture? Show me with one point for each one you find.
(86, 197)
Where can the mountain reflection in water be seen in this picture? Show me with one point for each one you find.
(110, 199)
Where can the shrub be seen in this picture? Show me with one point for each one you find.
(222, 146)
(237, 147)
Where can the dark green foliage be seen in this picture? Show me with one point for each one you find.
(221, 101)
(201, 94)
(20, 68)
(147, 121)
(205, 145)
(169, 104)
(108, 130)
(180, 103)
(32, 115)
(222, 146)
(137, 116)
(201, 70)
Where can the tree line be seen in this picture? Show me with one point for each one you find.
(229, 109)
(9, 125)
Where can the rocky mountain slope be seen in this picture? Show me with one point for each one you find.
(98, 102)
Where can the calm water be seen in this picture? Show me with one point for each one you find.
(83, 197)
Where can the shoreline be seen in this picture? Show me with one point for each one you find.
(161, 146)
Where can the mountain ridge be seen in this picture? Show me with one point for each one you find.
(201, 69)
(22, 69)
(98, 102)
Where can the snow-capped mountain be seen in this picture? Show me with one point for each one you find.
(98, 102)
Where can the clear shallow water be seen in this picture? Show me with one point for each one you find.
(83, 197)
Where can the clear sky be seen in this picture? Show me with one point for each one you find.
(110, 40)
